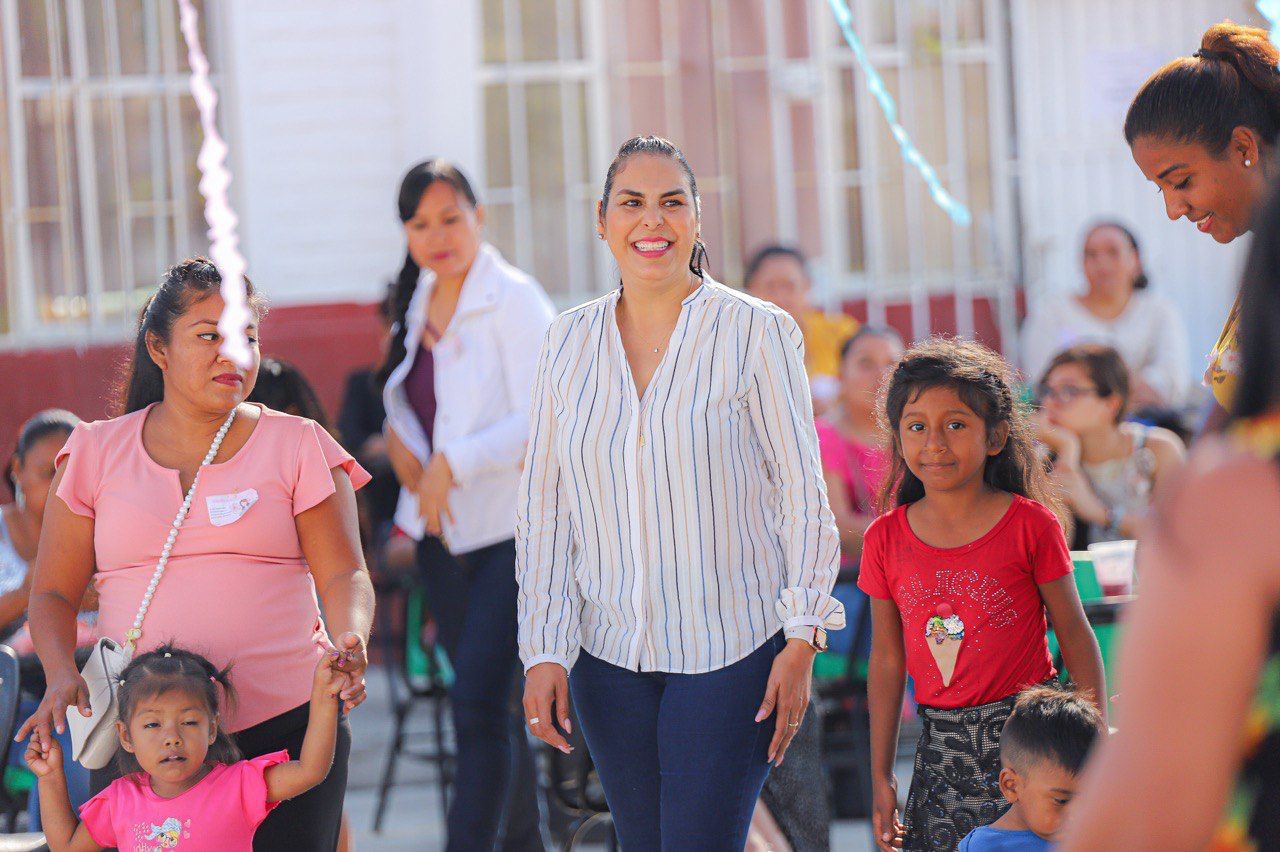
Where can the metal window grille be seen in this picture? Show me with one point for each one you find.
(97, 149)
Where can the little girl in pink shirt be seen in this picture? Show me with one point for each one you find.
(185, 784)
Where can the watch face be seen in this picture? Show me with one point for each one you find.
(819, 638)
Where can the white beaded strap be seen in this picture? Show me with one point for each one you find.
(134, 633)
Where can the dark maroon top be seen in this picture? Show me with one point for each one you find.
(420, 388)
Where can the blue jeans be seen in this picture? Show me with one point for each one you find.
(472, 597)
(681, 757)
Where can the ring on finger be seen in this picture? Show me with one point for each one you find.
(534, 721)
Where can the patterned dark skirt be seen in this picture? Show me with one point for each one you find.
(955, 783)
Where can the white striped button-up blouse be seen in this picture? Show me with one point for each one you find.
(680, 531)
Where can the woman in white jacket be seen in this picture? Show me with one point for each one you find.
(458, 376)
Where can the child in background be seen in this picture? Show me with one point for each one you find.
(1043, 747)
(185, 785)
(960, 574)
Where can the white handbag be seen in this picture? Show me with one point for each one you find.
(93, 738)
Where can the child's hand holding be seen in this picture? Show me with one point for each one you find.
(44, 761)
(328, 680)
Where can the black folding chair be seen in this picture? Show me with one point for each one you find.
(416, 676)
(574, 792)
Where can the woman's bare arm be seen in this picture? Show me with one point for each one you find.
(1194, 645)
(330, 538)
(851, 525)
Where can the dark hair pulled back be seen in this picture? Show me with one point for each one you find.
(1141, 282)
(984, 383)
(184, 284)
(169, 668)
(51, 421)
(1230, 82)
(658, 147)
(414, 185)
(1105, 367)
(769, 252)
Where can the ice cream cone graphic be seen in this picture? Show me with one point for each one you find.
(944, 634)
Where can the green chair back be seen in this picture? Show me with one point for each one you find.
(417, 662)
(1086, 580)
(1108, 635)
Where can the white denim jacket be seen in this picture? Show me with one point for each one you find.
(485, 364)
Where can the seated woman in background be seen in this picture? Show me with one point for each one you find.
(1106, 468)
(780, 274)
(30, 472)
(1117, 310)
(854, 460)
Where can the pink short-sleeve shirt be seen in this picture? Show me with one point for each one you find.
(236, 588)
(219, 814)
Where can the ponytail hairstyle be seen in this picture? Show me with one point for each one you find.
(170, 668)
(51, 421)
(984, 383)
(659, 147)
(184, 284)
(1141, 281)
(414, 185)
(1230, 82)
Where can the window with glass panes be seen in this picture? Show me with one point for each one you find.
(788, 144)
(944, 61)
(539, 83)
(98, 140)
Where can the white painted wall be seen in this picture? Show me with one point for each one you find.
(1077, 63)
(329, 102)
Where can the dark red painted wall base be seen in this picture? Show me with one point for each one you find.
(942, 318)
(325, 341)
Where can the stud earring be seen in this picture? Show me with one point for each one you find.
(1248, 163)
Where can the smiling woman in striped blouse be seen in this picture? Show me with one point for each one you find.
(675, 550)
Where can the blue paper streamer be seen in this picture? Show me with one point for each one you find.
(1270, 10)
(875, 84)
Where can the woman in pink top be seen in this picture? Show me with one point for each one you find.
(850, 438)
(272, 523)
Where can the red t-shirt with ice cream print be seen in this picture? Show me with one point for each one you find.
(972, 616)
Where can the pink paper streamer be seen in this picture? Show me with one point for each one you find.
(214, 181)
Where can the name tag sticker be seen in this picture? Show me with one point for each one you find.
(228, 508)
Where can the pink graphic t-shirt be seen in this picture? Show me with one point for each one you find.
(218, 814)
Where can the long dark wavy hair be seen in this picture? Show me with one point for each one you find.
(184, 284)
(414, 185)
(170, 668)
(1258, 388)
(984, 383)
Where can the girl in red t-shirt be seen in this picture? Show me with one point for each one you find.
(960, 575)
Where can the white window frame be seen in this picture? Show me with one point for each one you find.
(77, 93)
(876, 285)
(583, 283)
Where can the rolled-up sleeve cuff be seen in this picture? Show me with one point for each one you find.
(801, 610)
(565, 662)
